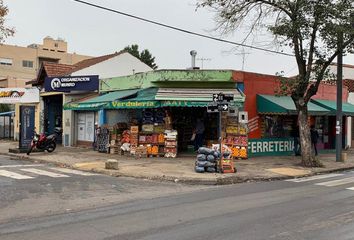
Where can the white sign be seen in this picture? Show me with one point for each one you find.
(19, 95)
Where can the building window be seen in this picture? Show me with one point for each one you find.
(28, 64)
(6, 61)
(56, 45)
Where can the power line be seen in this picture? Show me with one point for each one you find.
(180, 29)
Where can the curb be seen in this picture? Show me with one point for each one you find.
(217, 181)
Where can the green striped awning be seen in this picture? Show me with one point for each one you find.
(269, 104)
(347, 108)
(99, 102)
(145, 99)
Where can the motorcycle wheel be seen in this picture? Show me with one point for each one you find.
(51, 147)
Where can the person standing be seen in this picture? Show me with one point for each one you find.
(199, 134)
(296, 136)
(314, 138)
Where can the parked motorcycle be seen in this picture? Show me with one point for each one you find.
(43, 142)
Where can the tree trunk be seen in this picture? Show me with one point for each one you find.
(308, 157)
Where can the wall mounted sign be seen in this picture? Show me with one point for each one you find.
(270, 146)
(71, 83)
(19, 95)
(27, 125)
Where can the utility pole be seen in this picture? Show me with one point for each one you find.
(339, 115)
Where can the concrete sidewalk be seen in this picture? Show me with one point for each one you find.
(181, 169)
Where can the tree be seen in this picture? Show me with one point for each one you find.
(145, 56)
(4, 31)
(5, 108)
(310, 28)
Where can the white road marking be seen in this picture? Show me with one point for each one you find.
(336, 182)
(9, 174)
(351, 188)
(43, 172)
(22, 165)
(312, 178)
(72, 171)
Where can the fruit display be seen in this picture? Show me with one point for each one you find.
(236, 138)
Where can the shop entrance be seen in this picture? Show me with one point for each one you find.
(184, 120)
(53, 112)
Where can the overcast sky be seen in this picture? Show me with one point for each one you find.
(92, 31)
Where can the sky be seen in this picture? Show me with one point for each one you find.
(94, 32)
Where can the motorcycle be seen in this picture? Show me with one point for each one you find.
(43, 142)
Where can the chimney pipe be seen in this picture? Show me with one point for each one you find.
(193, 53)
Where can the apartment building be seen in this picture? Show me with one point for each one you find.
(19, 65)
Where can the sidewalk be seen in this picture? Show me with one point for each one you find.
(181, 169)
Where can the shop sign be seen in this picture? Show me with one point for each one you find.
(270, 146)
(180, 103)
(19, 95)
(26, 125)
(133, 104)
(82, 106)
(71, 83)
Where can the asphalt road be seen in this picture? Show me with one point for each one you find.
(314, 208)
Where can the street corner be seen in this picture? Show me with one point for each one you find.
(89, 165)
(290, 172)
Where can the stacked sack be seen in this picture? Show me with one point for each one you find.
(206, 160)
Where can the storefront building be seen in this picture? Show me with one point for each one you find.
(272, 119)
(163, 100)
(28, 98)
(62, 84)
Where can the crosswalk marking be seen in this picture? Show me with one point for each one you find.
(22, 165)
(312, 178)
(336, 182)
(72, 171)
(43, 172)
(9, 174)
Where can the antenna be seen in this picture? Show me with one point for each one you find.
(203, 59)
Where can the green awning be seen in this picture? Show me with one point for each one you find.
(347, 108)
(145, 99)
(269, 104)
(98, 102)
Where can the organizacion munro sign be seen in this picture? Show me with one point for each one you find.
(71, 83)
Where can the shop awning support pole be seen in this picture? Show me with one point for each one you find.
(220, 138)
(339, 115)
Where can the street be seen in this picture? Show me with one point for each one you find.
(44, 202)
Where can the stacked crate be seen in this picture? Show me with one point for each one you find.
(134, 139)
(170, 149)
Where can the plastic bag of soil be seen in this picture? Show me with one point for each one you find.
(199, 169)
(201, 163)
(204, 150)
(211, 169)
(216, 154)
(201, 157)
(210, 164)
(210, 158)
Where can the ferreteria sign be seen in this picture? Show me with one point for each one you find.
(71, 83)
(270, 146)
(19, 95)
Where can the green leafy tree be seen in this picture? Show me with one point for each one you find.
(145, 56)
(5, 108)
(309, 27)
(4, 31)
